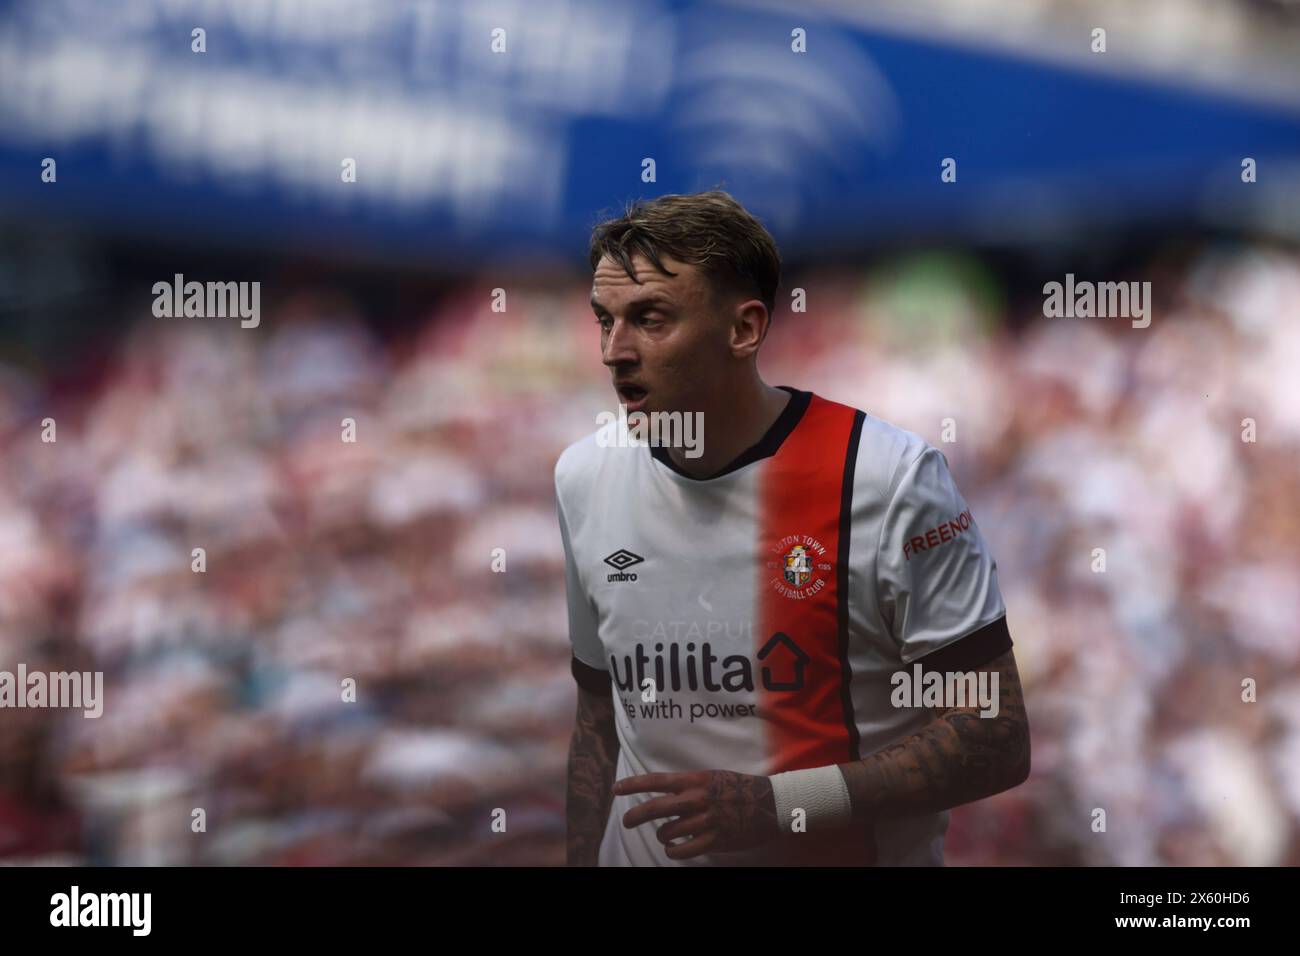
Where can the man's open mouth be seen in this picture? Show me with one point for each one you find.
(631, 393)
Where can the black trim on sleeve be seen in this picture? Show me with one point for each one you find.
(591, 679)
(974, 650)
(842, 581)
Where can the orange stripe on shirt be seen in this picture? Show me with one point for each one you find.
(798, 596)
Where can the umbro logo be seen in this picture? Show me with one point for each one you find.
(620, 561)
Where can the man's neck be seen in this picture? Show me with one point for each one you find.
(741, 420)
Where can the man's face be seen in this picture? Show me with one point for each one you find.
(662, 338)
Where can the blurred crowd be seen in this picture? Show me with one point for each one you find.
(372, 668)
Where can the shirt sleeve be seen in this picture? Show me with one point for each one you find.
(936, 579)
(584, 636)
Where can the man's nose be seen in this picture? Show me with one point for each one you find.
(619, 348)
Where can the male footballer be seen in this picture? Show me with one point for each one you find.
(740, 615)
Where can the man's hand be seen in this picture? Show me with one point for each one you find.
(719, 810)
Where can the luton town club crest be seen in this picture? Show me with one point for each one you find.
(797, 568)
(801, 561)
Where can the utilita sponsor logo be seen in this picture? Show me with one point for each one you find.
(682, 667)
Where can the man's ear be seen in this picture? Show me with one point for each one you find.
(767, 324)
(749, 326)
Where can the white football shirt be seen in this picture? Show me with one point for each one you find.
(752, 620)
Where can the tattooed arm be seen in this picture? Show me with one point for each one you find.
(593, 750)
(957, 758)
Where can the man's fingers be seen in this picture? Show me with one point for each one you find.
(654, 783)
(671, 805)
(696, 847)
(683, 826)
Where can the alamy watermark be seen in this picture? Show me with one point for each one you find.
(130, 910)
(663, 429)
(1102, 300)
(935, 688)
(72, 689)
(214, 300)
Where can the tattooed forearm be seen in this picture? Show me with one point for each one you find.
(744, 804)
(593, 750)
(957, 758)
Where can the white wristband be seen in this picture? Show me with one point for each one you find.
(820, 793)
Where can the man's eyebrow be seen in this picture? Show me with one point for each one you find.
(647, 302)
